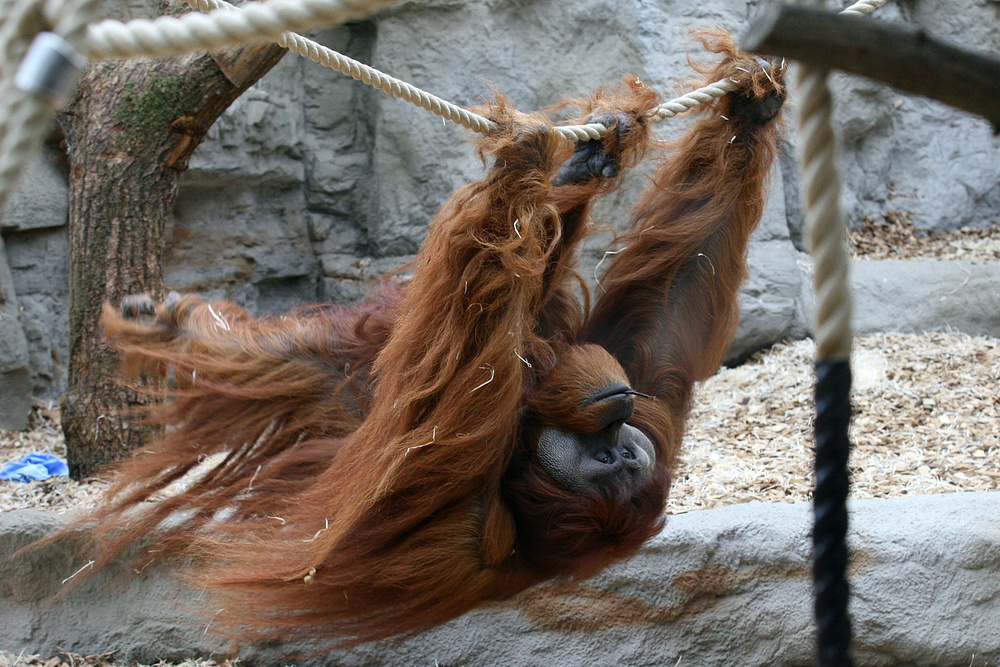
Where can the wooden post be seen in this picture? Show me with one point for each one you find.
(902, 56)
(130, 133)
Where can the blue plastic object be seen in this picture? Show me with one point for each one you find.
(33, 467)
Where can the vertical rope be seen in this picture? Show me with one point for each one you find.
(821, 188)
(824, 218)
(830, 554)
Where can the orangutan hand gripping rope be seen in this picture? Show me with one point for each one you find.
(478, 429)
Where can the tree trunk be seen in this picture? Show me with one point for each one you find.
(130, 132)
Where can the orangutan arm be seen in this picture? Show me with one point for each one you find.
(463, 341)
(593, 170)
(668, 304)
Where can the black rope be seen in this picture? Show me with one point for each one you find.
(830, 557)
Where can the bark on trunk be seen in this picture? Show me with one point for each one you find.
(130, 133)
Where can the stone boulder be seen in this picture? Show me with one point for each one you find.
(42, 197)
(716, 587)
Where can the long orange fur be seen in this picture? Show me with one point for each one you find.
(378, 475)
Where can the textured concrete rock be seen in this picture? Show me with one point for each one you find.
(145, 613)
(15, 377)
(922, 295)
(717, 587)
(239, 229)
(41, 199)
(40, 274)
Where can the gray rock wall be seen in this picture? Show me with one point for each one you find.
(15, 376)
(312, 184)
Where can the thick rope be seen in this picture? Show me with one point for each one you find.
(823, 215)
(864, 7)
(444, 109)
(393, 86)
(821, 188)
(467, 119)
(256, 22)
(275, 20)
(704, 95)
(25, 115)
(827, 235)
(830, 554)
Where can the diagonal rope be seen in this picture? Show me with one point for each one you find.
(391, 85)
(704, 95)
(467, 119)
(24, 115)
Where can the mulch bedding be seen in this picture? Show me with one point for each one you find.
(896, 236)
(64, 659)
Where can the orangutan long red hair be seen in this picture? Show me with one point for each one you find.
(469, 433)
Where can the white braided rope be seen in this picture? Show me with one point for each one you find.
(256, 22)
(696, 98)
(368, 75)
(824, 216)
(864, 7)
(25, 116)
(582, 132)
(387, 84)
(393, 86)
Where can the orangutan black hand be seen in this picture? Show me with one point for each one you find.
(592, 158)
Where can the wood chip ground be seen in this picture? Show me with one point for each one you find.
(64, 659)
(896, 236)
